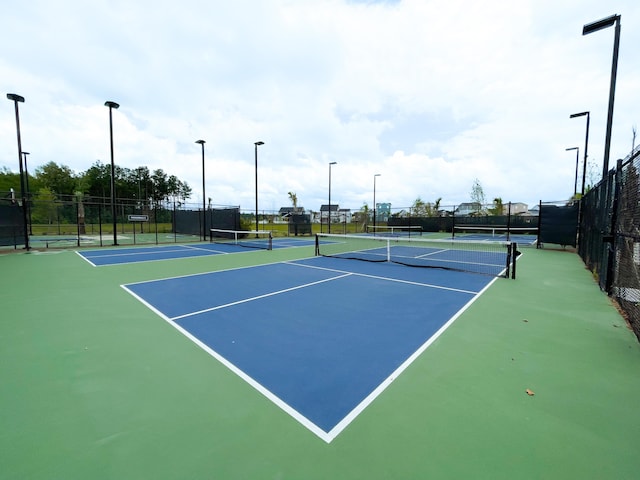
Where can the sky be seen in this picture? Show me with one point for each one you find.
(432, 95)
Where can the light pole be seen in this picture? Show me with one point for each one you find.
(26, 176)
(575, 182)
(586, 30)
(374, 202)
(204, 206)
(111, 106)
(256, 150)
(18, 99)
(330, 163)
(586, 145)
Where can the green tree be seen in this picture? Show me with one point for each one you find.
(97, 180)
(184, 191)
(433, 209)
(498, 207)
(477, 195)
(9, 180)
(361, 217)
(294, 201)
(59, 179)
(419, 208)
(45, 207)
(428, 209)
(160, 190)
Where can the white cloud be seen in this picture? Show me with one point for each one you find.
(431, 94)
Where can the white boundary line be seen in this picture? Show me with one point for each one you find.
(340, 426)
(335, 431)
(251, 299)
(256, 385)
(213, 252)
(428, 285)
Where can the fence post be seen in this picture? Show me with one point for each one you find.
(538, 244)
(611, 238)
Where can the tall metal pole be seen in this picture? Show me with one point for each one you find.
(111, 106)
(204, 197)
(256, 156)
(26, 176)
(575, 182)
(594, 27)
(17, 98)
(586, 146)
(374, 202)
(330, 163)
(584, 164)
(612, 95)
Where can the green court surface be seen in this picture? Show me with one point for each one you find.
(94, 385)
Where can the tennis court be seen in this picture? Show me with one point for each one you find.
(526, 236)
(124, 255)
(359, 325)
(340, 369)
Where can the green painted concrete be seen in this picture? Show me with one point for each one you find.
(94, 385)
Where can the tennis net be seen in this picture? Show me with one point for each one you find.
(395, 230)
(523, 235)
(489, 258)
(244, 238)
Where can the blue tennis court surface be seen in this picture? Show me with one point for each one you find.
(122, 255)
(319, 337)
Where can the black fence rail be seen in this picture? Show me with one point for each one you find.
(69, 221)
(448, 218)
(609, 239)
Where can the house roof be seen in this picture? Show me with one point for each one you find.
(325, 207)
(290, 210)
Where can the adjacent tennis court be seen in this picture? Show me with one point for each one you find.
(492, 233)
(321, 338)
(123, 255)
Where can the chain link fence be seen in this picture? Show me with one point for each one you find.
(50, 221)
(609, 242)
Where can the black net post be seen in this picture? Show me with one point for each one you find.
(508, 222)
(100, 223)
(538, 242)
(77, 205)
(453, 223)
(155, 217)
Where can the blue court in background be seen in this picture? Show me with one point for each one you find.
(122, 255)
(320, 337)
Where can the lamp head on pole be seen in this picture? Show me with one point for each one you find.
(201, 142)
(258, 143)
(15, 97)
(600, 24)
(581, 114)
(111, 104)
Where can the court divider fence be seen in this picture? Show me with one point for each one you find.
(72, 221)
